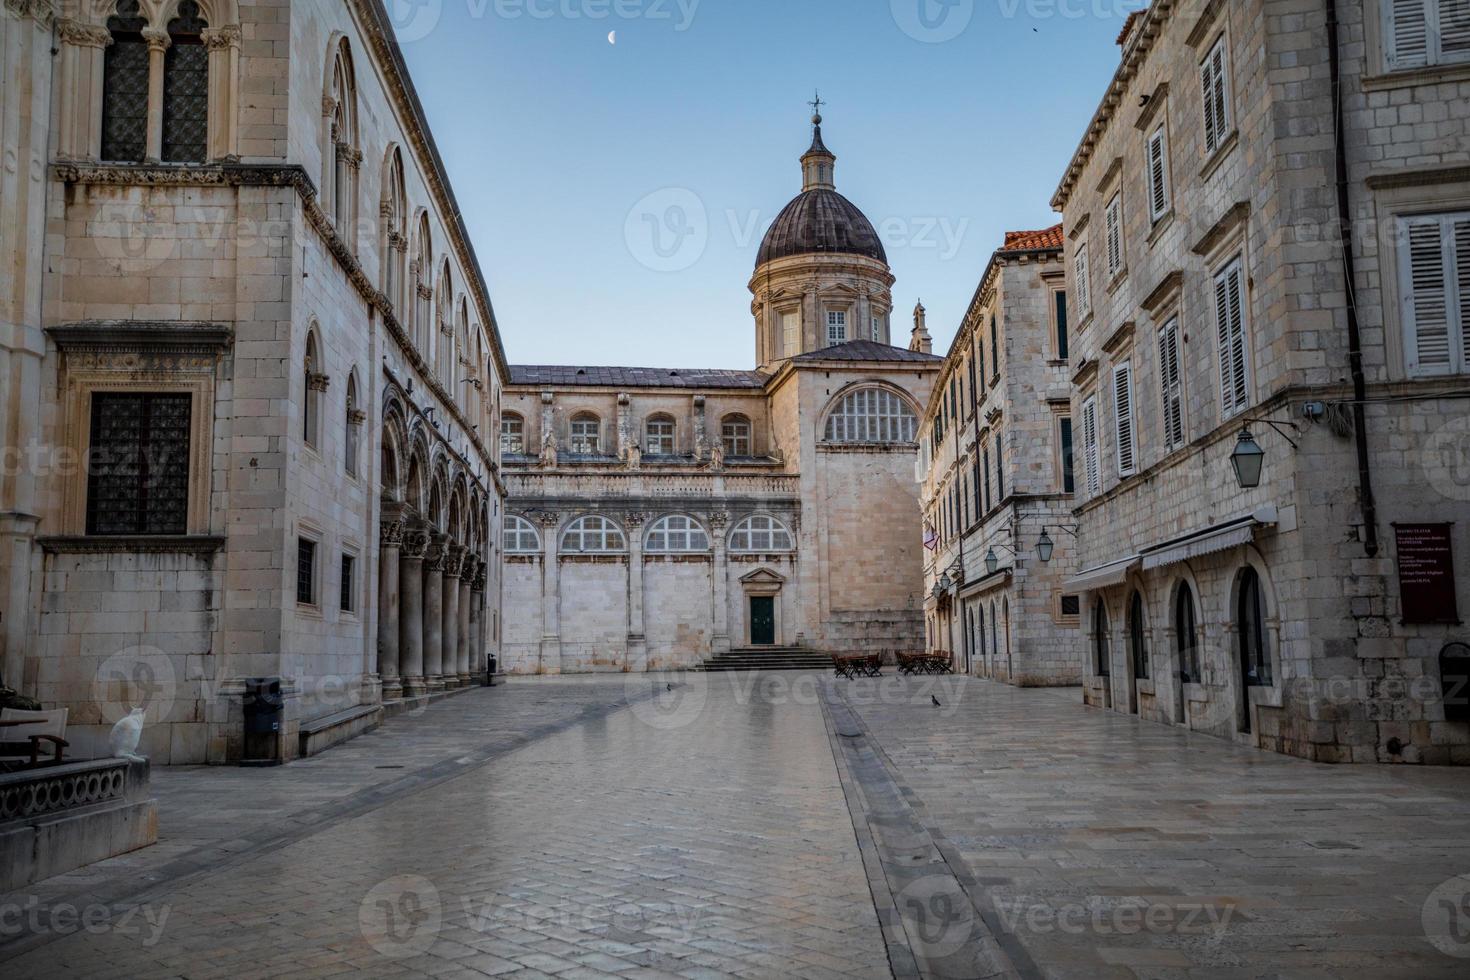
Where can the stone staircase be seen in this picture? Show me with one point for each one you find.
(768, 658)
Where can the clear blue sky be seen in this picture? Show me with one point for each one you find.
(553, 137)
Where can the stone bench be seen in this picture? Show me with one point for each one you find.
(322, 733)
(59, 818)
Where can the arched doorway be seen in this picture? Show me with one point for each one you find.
(1255, 657)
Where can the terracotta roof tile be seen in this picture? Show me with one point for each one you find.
(1034, 241)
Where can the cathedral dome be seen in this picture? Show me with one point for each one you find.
(820, 221)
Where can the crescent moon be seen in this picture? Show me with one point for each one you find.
(612, 37)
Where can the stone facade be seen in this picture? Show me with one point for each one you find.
(291, 281)
(995, 475)
(1214, 297)
(738, 512)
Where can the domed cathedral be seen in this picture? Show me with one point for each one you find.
(662, 518)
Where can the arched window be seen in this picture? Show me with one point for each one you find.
(593, 534)
(1101, 647)
(186, 88)
(676, 534)
(512, 434)
(735, 435)
(395, 226)
(658, 435)
(125, 87)
(340, 153)
(994, 634)
(1137, 639)
(586, 429)
(874, 415)
(1186, 635)
(315, 381)
(761, 534)
(520, 537)
(980, 635)
(354, 417)
(422, 306)
(1255, 658)
(444, 319)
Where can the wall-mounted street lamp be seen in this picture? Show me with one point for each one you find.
(945, 583)
(1249, 458)
(1046, 547)
(992, 560)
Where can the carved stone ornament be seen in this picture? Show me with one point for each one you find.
(719, 520)
(319, 382)
(217, 38)
(158, 40)
(390, 533)
(82, 35)
(434, 559)
(478, 585)
(548, 518)
(416, 542)
(636, 520)
(356, 417)
(453, 560)
(548, 450)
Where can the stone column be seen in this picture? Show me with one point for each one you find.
(462, 658)
(158, 42)
(625, 425)
(224, 108)
(390, 542)
(701, 430)
(637, 640)
(411, 612)
(477, 621)
(454, 556)
(550, 594)
(434, 614)
(719, 584)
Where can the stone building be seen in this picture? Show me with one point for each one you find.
(1272, 323)
(657, 517)
(995, 469)
(248, 361)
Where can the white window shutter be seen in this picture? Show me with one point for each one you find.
(1408, 33)
(1115, 235)
(1454, 30)
(1158, 174)
(1170, 383)
(1234, 352)
(1123, 411)
(1083, 282)
(1089, 447)
(1460, 236)
(1216, 102)
(1426, 295)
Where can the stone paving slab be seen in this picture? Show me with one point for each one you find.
(667, 838)
(1110, 847)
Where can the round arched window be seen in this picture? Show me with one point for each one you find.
(763, 534)
(872, 415)
(676, 534)
(519, 536)
(593, 534)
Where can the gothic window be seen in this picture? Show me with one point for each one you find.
(735, 435)
(311, 397)
(354, 427)
(593, 534)
(761, 534)
(677, 534)
(1250, 621)
(872, 415)
(395, 220)
(659, 436)
(520, 537)
(512, 434)
(1101, 647)
(125, 87)
(1137, 638)
(422, 308)
(340, 149)
(186, 88)
(586, 429)
(138, 466)
(1186, 635)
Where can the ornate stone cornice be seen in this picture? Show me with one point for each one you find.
(133, 336)
(191, 544)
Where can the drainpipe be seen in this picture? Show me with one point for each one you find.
(1355, 340)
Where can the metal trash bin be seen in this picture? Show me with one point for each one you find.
(265, 711)
(490, 664)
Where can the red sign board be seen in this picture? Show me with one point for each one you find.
(1427, 573)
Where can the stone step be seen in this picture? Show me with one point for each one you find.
(768, 658)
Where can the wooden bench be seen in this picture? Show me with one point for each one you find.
(858, 665)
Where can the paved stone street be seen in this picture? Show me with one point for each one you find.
(772, 825)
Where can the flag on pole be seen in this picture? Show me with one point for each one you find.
(931, 537)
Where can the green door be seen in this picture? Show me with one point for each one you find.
(762, 620)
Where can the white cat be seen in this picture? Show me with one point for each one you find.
(125, 736)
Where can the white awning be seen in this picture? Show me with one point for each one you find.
(1102, 576)
(1241, 530)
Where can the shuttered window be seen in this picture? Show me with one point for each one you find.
(1081, 284)
(1434, 277)
(1123, 419)
(1171, 384)
(1421, 33)
(985, 454)
(1000, 468)
(1158, 175)
(1215, 91)
(1230, 324)
(1089, 447)
(1115, 235)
